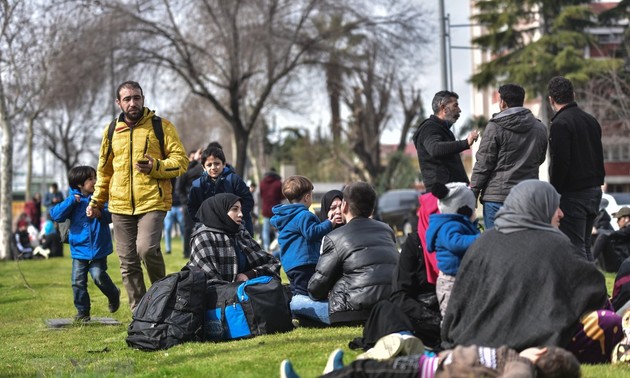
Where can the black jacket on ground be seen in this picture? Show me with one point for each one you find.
(355, 269)
(438, 153)
(611, 248)
(575, 148)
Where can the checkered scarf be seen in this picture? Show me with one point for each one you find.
(213, 251)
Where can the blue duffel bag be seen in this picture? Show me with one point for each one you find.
(245, 309)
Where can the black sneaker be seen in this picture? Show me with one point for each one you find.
(114, 304)
(82, 318)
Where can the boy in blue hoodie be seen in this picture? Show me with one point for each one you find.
(450, 233)
(90, 241)
(300, 234)
(219, 177)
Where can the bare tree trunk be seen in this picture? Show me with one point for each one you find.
(6, 178)
(29, 157)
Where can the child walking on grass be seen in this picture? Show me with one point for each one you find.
(90, 242)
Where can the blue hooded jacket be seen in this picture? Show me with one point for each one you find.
(300, 234)
(450, 235)
(89, 239)
(227, 182)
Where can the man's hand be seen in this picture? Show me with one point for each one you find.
(472, 137)
(145, 166)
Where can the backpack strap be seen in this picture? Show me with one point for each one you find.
(159, 133)
(156, 121)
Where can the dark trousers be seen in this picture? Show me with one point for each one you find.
(406, 366)
(580, 209)
(189, 224)
(299, 277)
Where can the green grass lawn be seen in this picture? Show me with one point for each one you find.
(29, 348)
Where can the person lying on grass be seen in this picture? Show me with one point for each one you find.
(463, 361)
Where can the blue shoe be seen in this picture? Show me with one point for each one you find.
(335, 361)
(286, 370)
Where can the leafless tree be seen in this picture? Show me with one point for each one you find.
(234, 54)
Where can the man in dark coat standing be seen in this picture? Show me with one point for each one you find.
(438, 155)
(576, 167)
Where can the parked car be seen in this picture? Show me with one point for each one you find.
(398, 208)
(615, 202)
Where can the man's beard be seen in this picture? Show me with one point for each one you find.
(131, 117)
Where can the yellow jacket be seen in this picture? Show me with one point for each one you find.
(128, 191)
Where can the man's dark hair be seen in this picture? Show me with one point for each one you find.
(512, 94)
(561, 90)
(130, 85)
(54, 186)
(361, 198)
(558, 363)
(78, 175)
(442, 98)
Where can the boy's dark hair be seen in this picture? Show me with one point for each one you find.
(442, 98)
(294, 188)
(561, 90)
(361, 198)
(512, 94)
(214, 144)
(53, 186)
(78, 175)
(212, 151)
(558, 363)
(129, 84)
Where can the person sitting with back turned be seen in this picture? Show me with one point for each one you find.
(357, 262)
(524, 284)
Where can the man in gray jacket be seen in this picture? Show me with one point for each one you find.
(512, 148)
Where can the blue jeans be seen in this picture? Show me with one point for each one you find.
(580, 209)
(490, 213)
(98, 271)
(174, 216)
(304, 306)
(266, 230)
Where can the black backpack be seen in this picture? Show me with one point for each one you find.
(170, 313)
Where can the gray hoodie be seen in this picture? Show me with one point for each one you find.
(512, 148)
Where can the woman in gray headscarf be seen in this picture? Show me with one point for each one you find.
(523, 284)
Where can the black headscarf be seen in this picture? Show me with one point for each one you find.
(214, 212)
(327, 201)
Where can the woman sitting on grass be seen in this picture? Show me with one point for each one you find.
(523, 284)
(222, 247)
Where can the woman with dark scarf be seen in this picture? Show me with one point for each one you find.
(523, 284)
(222, 247)
(331, 208)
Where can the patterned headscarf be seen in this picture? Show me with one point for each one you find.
(214, 212)
(531, 204)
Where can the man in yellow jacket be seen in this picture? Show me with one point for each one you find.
(135, 177)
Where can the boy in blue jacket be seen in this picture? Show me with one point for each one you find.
(90, 242)
(219, 177)
(300, 234)
(450, 233)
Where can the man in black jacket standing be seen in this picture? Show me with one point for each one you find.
(576, 168)
(438, 156)
(438, 150)
(512, 148)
